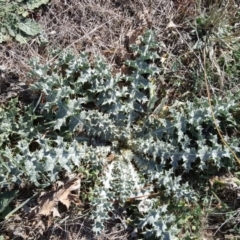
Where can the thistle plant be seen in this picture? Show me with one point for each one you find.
(94, 120)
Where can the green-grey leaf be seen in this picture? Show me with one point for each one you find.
(29, 27)
(11, 31)
(3, 37)
(6, 198)
(33, 4)
(20, 39)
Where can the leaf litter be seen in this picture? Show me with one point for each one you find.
(63, 193)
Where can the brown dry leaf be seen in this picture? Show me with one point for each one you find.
(40, 227)
(55, 212)
(171, 24)
(57, 185)
(65, 196)
(20, 232)
(132, 36)
(126, 70)
(49, 201)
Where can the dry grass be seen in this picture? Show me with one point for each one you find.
(99, 28)
(89, 26)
